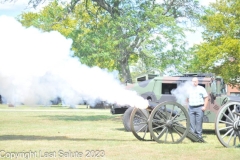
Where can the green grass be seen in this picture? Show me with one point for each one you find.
(51, 129)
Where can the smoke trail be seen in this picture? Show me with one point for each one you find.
(36, 67)
(182, 91)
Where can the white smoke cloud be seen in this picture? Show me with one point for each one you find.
(182, 91)
(36, 67)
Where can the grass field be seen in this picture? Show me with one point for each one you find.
(63, 133)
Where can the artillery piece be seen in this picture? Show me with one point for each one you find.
(168, 122)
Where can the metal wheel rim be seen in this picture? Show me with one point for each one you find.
(159, 126)
(227, 126)
(139, 125)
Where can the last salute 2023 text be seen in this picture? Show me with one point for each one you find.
(51, 154)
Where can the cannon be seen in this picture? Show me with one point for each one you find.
(168, 122)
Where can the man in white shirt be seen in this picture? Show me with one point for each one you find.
(197, 100)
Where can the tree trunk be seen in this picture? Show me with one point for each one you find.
(125, 67)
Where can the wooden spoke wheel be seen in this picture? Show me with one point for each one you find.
(139, 124)
(169, 122)
(227, 125)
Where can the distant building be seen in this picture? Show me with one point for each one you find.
(235, 91)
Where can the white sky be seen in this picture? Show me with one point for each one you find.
(12, 9)
(15, 8)
(196, 38)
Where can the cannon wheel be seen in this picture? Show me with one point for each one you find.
(169, 123)
(139, 124)
(227, 125)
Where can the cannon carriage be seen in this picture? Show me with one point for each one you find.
(168, 122)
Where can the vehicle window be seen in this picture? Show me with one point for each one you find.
(202, 85)
(140, 79)
(214, 87)
(167, 87)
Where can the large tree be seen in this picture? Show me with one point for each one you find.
(220, 51)
(121, 32)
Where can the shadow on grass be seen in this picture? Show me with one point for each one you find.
(208, 131)
(80, 118)
(51, 138)
(122, 129)
(238, 146)
(212, 131)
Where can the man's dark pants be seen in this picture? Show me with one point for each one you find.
(196, 119)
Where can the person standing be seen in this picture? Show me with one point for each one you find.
(197, 100)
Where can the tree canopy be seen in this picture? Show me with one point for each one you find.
(115, 34)
(220, 51)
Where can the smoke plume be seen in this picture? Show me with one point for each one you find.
(36, 67)
(182, 91)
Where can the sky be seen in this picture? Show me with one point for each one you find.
(13, 8)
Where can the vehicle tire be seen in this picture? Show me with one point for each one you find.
(126, 119)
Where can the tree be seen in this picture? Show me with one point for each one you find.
(220, 51)
(125, 32)
(52, 17)
(136, 24)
